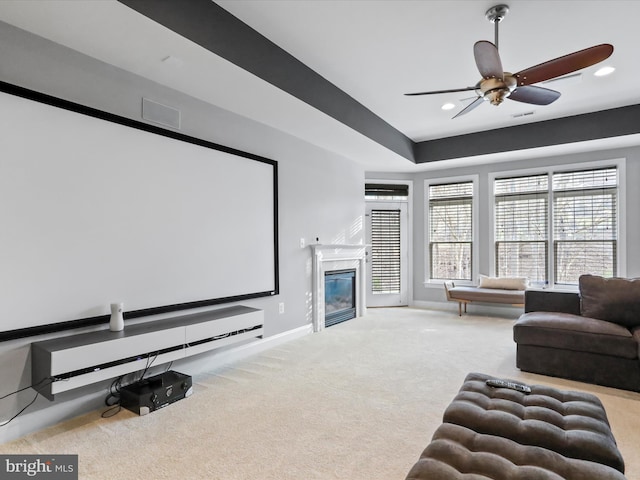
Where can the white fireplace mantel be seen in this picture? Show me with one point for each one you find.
(327, 258)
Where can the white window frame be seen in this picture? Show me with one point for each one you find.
(475, 262)
(618, 163)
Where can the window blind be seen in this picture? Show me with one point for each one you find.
(451, 231)
(584, 224)
(521, 227)
(385, 251)
(384, 191)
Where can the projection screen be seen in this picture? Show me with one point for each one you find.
(97, 209)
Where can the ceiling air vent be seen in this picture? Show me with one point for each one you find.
(525, 114)
(571, 79)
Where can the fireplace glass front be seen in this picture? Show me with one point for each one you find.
(339, 296)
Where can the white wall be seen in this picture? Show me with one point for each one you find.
(320, 196)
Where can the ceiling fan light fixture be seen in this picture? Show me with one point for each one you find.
(497, 96)
(497, 84)
(604, 71)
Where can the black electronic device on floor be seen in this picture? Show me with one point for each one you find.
(156, 392)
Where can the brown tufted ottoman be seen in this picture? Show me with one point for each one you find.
(498, 433)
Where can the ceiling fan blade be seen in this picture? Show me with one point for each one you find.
(488, 59)
(563, 65)
(469, 107)
(465, 89)
(534, 95)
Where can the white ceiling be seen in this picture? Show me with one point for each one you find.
(377, 50)
(374, 50)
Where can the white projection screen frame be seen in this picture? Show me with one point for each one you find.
(97, 209)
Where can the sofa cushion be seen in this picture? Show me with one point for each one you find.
(573, 424)
(503, 283)
(551, 301)
(612, 299)
(574, 332)
(635, 332)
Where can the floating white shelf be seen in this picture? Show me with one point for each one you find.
(62, 364)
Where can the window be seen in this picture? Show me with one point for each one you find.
(574, 211)
(584, 225)
(387, 205)
(521, 227)
(450, 225)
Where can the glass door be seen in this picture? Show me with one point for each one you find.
(387, 282)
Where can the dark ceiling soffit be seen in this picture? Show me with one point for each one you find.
(615, 122)
(213, 28)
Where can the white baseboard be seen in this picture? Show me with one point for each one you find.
(507, 311)
(430, 305)
(222, 357)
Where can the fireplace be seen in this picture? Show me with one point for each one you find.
(339, 296)
(336, 258)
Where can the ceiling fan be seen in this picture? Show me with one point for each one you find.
(496, 84)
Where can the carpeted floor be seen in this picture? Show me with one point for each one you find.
(358, 401)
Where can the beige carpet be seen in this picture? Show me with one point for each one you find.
(358, 401)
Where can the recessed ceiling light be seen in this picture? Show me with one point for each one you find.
(448, 106)
(605, 71)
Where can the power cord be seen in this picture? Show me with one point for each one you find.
(113, 397)
(49, 379)
(149, 363)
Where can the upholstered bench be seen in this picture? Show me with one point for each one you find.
(467, 294)
(499, 433)
(464, 295)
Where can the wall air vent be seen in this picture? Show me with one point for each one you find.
(162, 114)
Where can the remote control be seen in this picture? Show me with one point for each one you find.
(494, 382)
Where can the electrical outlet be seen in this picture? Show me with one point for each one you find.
(302, 243)
(281, 307)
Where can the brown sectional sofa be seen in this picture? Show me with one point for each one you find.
(499, 433)
(592, 336)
